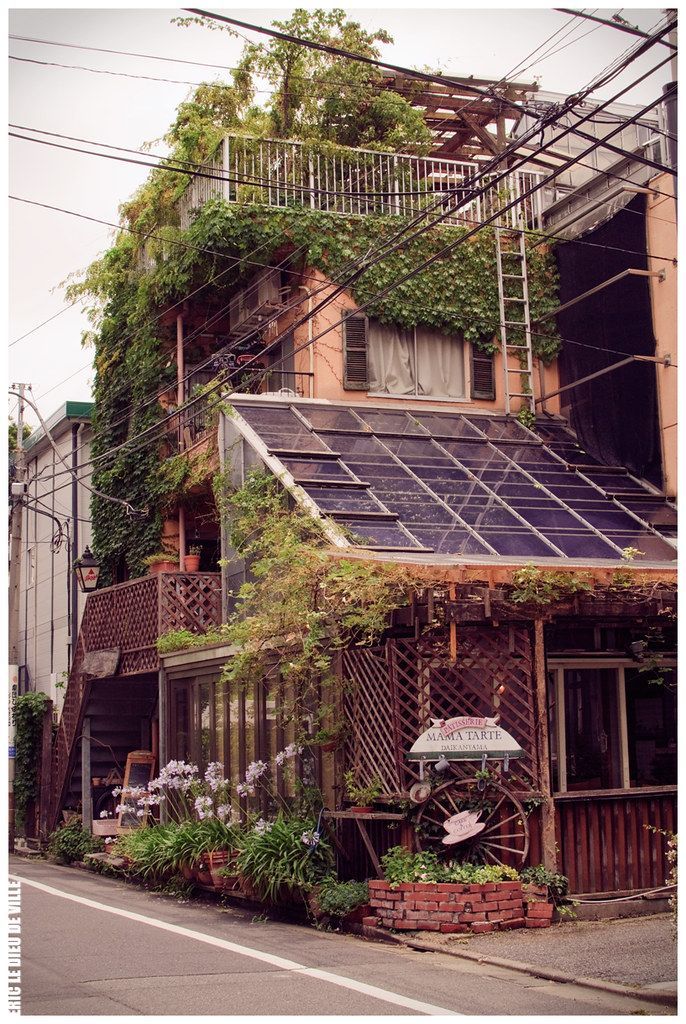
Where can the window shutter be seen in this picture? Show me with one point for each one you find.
(483, 375)
(355, 375)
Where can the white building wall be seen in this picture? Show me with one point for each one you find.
(44, 636)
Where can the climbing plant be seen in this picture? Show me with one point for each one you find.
(29, 714)
(155, 263)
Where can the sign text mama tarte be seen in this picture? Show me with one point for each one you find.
(465, 739)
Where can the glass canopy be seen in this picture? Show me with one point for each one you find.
(462, 484)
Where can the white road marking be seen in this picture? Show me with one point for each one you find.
(256, 954)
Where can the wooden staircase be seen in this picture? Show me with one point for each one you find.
(127, 620)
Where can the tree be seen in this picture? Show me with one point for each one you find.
(12, 434)
(321, 96)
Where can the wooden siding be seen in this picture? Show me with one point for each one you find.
(605, 841)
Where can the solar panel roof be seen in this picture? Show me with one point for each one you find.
(461, 484)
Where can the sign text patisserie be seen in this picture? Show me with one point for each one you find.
(465, 738)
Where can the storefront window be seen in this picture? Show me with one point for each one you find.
(204, 726)
(651, 726)
(592, 729)
(611, 727)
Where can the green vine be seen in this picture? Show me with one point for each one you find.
(531, 585)
(144, 273)
(29, 714)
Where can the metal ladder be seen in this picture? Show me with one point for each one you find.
(513, 293)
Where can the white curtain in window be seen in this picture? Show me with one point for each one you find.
(390, 359)
(440, 364)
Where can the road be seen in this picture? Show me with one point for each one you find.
(93, 946)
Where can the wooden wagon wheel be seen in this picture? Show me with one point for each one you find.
(505, 836)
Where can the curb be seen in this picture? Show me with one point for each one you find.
(547, 974)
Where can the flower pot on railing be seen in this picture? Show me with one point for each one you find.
(163, 561)
(191, 563)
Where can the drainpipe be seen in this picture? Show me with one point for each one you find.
(179, 402)
(73, 584)
(310, 346)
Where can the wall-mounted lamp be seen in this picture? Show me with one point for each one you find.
(87, 569)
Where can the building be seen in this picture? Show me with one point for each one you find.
(415, 443)
(56, 530)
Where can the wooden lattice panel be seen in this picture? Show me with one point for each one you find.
(190, 601)
(395, 692)
(428, 685)
(371, 743)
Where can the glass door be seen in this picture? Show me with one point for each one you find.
(592, 740)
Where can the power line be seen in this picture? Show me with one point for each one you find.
(621, 27)
(260, 374)
(362, 270)
(38, 326)
(559, 171)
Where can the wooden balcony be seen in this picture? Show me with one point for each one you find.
(131, 616)
(125, 621)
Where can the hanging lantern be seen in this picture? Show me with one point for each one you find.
(87, 569)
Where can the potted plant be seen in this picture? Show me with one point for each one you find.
(162, 561)
(360, 796)
(191, 562)
(341, 901)
(329, 738)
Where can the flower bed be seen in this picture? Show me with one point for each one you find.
(456, 907)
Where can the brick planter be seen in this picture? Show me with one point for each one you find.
(538, 912)
(453, 907)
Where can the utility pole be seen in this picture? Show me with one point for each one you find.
(18, 493)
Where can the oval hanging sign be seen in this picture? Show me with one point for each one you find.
(464, 739)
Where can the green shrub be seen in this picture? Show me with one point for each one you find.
(274, 857)
(399, 865)
(159, 851)
(72, 842)
(558, 885)
(341, 898)
(28, 716)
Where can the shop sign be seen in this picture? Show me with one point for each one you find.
(462, 826)
(465, 738)
(13, 694)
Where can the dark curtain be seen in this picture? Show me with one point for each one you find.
(614, 416)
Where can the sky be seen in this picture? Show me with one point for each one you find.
(46, 247)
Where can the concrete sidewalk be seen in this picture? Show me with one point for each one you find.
(638, 952)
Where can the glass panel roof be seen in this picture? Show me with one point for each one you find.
(460, 485)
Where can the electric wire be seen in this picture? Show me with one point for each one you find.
(416, 271)
(271, 368)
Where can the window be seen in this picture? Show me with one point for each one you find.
(612, 727)
(415, 362)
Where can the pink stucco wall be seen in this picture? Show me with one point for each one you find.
(325, 358)
(662, 240)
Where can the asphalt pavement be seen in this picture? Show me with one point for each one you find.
(94, 946)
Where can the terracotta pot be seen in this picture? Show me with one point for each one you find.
(202, 873)
(361, 810)
(356, 916)
(191, 563)
(330, 745)
(217, 860)
(162, 567)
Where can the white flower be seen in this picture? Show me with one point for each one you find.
(104, 814)
(310, 838)
(203, 807)
(261, 826)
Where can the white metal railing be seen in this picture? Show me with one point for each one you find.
(280, 173)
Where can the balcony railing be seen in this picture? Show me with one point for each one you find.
(280, 173)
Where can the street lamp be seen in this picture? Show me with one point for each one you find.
(87, 569)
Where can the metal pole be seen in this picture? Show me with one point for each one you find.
(14, 587)
(86, 793)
